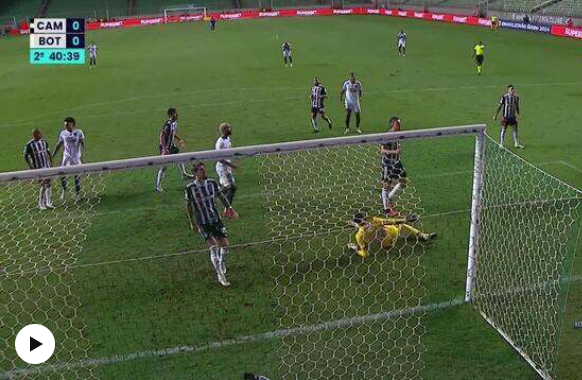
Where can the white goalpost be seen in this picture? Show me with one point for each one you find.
(187, 9)
(325, 309)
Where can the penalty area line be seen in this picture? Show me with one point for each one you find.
(240, 339)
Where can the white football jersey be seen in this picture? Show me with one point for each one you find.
(71, 143)
(353, 92)
(222, 143)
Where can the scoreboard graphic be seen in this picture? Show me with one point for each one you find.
(57, 41)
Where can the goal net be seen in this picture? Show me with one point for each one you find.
(184, 10)
(324, 284)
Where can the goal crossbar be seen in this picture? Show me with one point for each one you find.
(181, 8)
(248, 151)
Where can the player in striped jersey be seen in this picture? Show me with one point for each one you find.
(38, 156)
(392, 170)
(318, 95)
(352, 89)
(402, 43)
(92, 49)
(287, 58)
(72, 140)
(205, 218)
(168, 135)
(509, 103)
(224, 167)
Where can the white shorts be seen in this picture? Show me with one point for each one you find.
(287, 53)
(70, 161)
(401, 44)
(225, 177)
(354, 107)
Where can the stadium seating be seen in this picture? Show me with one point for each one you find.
(145, 7)
(282, 3)
(517, 6)
(459, 4)
(22, 9)
(564, 8)
(18, 8)
(95, 8)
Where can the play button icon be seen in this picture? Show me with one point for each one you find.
(35, 344)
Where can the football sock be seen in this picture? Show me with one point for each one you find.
(394, 191)
(502, 136)
(229, 194)
(182, 169)
(385, 199)
(328, 121)
(41, 197)
(47, 195)
(314, 123)
(223, 255)
(77, 184)
(159, 178)
(411, 230)
(515, 139)
(215, 257)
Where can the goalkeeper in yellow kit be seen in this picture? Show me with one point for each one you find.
(384, 230)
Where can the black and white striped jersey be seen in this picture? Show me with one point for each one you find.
(37, 152)
(168, 133)
(318, 94)
(510, 105)
(202, 196)
(391, 159)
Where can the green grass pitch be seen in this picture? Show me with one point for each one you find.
(236, 74)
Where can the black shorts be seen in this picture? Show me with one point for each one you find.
(479, 59)
(393, 171)
(173, 149)
(317, 110)
(215, 230)
(509, 122)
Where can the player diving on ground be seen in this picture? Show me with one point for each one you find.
(386, 231)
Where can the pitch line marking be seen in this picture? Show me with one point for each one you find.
(241, 339)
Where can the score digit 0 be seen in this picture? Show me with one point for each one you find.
(75, 25)
(75, 41)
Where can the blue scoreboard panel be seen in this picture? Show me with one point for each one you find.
(57, 41)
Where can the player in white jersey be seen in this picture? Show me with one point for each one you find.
(72, 140)
(92, 49)
(402, 43)
(352, 90)
(287, 58)
(224, 168)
